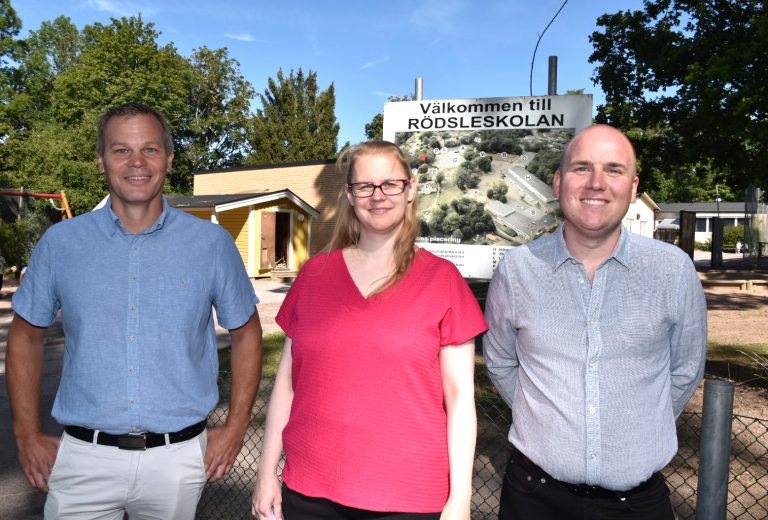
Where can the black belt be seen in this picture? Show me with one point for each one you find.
(586, 490)
(135, 441)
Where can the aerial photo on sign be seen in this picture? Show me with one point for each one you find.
(485, 168)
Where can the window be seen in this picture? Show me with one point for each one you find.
(702, 225)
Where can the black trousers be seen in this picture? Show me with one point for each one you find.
(529, 493)
(300, 507)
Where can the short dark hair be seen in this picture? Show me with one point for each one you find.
(134, 109)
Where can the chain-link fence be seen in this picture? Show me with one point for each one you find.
(747, 488)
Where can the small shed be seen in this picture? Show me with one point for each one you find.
(271, 229)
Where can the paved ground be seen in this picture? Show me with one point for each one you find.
(18, 501)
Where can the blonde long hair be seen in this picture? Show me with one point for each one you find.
(347, 229)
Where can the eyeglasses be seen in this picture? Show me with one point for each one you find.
(390, 187)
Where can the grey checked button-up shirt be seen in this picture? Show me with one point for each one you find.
(596, 374)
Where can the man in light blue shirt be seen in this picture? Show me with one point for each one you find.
(596, 341)
(135, 282)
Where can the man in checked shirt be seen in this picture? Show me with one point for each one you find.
(596, 341)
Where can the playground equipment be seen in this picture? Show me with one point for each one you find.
(64, 209)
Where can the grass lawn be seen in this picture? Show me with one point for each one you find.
(273, 347)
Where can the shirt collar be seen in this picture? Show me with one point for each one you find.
(116, 225)
(621, 251)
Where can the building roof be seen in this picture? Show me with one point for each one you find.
(239, 200)
(523, 219)
(530, 185)
(648, 201)
(265, 166)
(702, 207)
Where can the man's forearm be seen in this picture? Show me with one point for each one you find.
(24, 369)
(246, 371)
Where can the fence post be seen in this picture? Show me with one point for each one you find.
(715, 450)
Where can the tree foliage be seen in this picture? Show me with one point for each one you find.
(374, 131)
(122, 62)
(297, 121)
(461, 218)
(214, 133)
(58, 80)
(18, 238)
(544, 165)
(10, 25)
(498, 191)
(685, 79)
(55, 82)
(465, 178)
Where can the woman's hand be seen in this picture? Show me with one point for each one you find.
(267, 502)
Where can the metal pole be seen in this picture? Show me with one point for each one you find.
(552, 83)
(418, 92)
(715, 450)
(717, 198)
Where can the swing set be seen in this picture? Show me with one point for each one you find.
(66, 212)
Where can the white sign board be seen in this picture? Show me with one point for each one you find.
(485, 168)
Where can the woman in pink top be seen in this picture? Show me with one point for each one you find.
(373, 401)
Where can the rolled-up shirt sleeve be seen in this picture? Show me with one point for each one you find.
(500, 342)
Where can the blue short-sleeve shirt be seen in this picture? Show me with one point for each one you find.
(140, 346)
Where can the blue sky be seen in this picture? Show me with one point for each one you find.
(372, 49)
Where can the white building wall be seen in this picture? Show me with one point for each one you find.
(640, 218)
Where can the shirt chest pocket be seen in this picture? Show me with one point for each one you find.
(183, 301)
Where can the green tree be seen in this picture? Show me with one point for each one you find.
(18, 238)
(297, 121)
(466, 179)
(544, 165)
(484, 163)
(732, 235)
(498, 191)
(676, 71)
(65, 80)
(698, 184)
(45, 53)
(463, 218)
(10, 25)
(123, 62)
(214, 132)
(56, 157)
(374, 131)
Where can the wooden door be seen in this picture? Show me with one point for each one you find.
(267, 240)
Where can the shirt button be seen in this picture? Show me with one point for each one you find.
(133, 402)
(591, 364)
(131, 338)
(135, 248)
(131, 370)
(593, 456)
(592, 410)
(134, 276)
(133, 307)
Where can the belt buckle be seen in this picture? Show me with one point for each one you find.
(132, 441)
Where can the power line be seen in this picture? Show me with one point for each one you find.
(533, 59)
